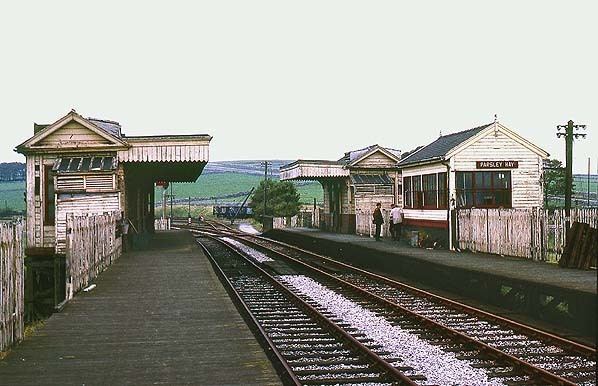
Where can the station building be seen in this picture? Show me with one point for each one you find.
(80, 165)
(352, 184)
(489, 166)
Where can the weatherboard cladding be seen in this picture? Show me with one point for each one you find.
(439, 148)
(81, 204)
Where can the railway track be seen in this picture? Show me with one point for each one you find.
(311, 348)
(428, 327)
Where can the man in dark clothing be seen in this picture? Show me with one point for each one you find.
(378, 220)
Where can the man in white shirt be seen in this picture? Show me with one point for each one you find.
(396, 219)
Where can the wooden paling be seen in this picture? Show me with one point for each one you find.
(581, 248)
(11, 284)
(92, 246)
(536, 233)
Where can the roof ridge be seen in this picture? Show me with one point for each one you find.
(466, 130)
(103, 120)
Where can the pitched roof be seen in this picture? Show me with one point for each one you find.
(110, 127)
(352, 155)
(109, 130)
(439, 148)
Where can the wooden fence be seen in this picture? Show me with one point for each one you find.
(311, 219)
(162, 224)
(92, 246)
(11, 284)
(365, 227)
(537, 234)
(304, 219)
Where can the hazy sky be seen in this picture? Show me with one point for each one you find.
(307, 79)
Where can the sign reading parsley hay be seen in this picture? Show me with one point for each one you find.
(496, 164)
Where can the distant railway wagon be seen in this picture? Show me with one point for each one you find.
(229, 211)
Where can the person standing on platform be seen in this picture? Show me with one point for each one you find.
(378, 220)
(396, 219)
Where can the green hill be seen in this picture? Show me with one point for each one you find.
(209, 188)
(11, 195)
(231, 187)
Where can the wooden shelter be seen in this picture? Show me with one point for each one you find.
(80, 165)
(352, 184)
(489, 166)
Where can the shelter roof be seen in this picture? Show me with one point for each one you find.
(73, 134)
(110, 127)
(319, 169)
(440, 147)
(354, 155)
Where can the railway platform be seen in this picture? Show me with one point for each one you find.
(156, 316)
(557, 299)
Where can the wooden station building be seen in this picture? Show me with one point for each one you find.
(352, 184)
(80, 165)
(489, 166)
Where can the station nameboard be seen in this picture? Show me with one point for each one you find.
(496, 164)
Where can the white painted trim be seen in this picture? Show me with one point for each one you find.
(70, 117)
(503, 129)
(378, 148)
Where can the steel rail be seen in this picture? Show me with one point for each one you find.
(570, 345)
(238, 299)
(334, 328)
(525, 366)
(529, 330)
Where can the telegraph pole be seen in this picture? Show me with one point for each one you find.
(569, 134)
(265, 164)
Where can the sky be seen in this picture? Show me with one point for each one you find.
(304, 79)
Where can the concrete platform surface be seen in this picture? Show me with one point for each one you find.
(158, 316)
(511, 267)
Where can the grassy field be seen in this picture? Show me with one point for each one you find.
(581, 184)
(208, 186)
(216, 186)
(11, 195)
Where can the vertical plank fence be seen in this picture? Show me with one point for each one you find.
(365, 227)
(534, 233)
(304, 219)
(92, 246)
(11, 284)
(162, 224)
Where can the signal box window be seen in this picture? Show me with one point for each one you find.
(490, 189)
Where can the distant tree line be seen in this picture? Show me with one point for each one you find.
(12, 171)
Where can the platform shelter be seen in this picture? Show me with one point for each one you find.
(352, 184)
(80, 165)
